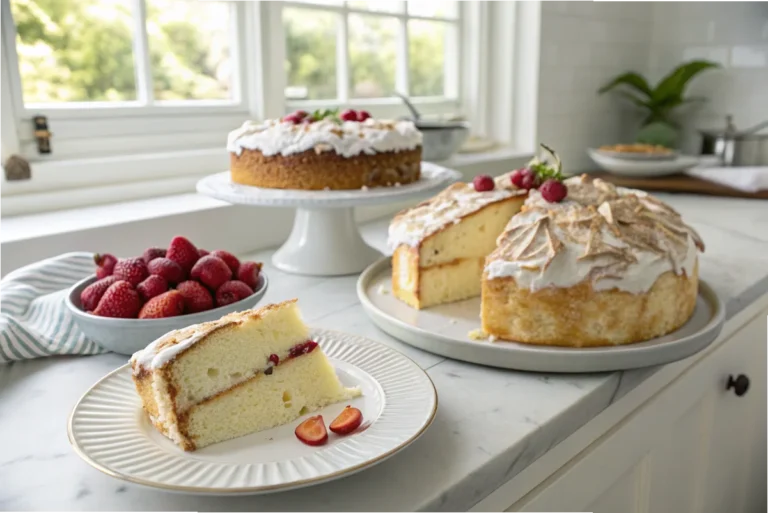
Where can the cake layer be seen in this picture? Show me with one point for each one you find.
(436, 285)
(473, 237)
(204, 360)
(297, 386)
(581, 316)
(318, 170)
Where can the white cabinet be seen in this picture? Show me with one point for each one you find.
(695, 446)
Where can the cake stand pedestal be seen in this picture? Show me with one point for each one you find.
(325, 240)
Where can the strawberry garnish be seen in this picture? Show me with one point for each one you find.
(132, 270)
(183, 253)
(312, 431)
(119, 300)
(167, 304)
(91, 295)
(105, 264)
(348, 420)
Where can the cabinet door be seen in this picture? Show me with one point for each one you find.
(695, 447)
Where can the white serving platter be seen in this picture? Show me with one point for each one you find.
(109, 430)
(444, 330)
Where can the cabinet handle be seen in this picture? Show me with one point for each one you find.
(740, 384)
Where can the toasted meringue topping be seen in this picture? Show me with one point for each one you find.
(412, 226)
(612, 236)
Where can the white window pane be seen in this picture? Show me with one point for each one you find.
(426, 57)
(310, 54)
(372, 51)
(434, 9)
(322, 2)
(75, 51)
(378, 6)
(189, 48)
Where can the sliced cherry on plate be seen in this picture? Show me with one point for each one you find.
(312, 431)
(348, 420)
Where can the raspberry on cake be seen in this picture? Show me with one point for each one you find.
(605, 266)
(440, 245)
(325, 150)
(246, 372)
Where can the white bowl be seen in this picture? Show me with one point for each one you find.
(642, 168)
(126, 336)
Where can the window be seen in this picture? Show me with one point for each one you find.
(363, 50)
(140, 90)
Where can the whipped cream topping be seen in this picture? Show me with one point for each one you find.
(412, 226)
(167, 347)
(611, 236)
(347, 139)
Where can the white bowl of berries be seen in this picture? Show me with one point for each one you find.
(130, 302)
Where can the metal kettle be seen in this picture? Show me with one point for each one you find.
(737, 148)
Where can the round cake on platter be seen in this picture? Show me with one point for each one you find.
(579, 262)
(325, 151)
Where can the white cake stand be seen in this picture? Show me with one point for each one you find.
(325, 240)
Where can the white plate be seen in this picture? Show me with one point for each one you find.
(636, 156)
(220, 186)
(640, 168)
(111, 432)
(444, 330)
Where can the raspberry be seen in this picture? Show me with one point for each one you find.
(483, 183)
(529, 180)
(348, 115)
(517, 177)
(553, 191)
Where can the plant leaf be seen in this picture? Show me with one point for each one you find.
(630, 79)
(634, 99)
(674, 84)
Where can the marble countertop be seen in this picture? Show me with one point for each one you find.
(490, 424)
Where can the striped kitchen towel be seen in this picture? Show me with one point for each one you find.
(34, 321)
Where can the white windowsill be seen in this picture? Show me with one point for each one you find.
(130, 225)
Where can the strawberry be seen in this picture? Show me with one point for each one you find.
(167, 304)
(132, 270)
(248, 273)
(232, 292)
(196, 297)
(312, 431)
(167, 269)
(211, 271)
(229, 259)
(152, 286)
(348, 420)
(202, 252)
(91, 295)
(119, 300)
(183, 253)
(152, 253)
(105, 265)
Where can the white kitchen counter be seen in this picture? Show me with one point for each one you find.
(490, 425)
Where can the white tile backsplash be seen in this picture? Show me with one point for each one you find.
(586, 43)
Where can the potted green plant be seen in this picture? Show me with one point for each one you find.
(659, 102)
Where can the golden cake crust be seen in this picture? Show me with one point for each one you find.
(580, 316)
(318, 170)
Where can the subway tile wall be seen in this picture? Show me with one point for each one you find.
(734, 34)
(584, 44)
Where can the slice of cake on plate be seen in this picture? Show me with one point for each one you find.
(440, 245)
(325, 150)
(605, 266)
(246, 372)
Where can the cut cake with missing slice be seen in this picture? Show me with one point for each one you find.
(441, 244)
(245, 372)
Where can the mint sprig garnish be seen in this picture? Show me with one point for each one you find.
(321, 114)
(545, 170)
